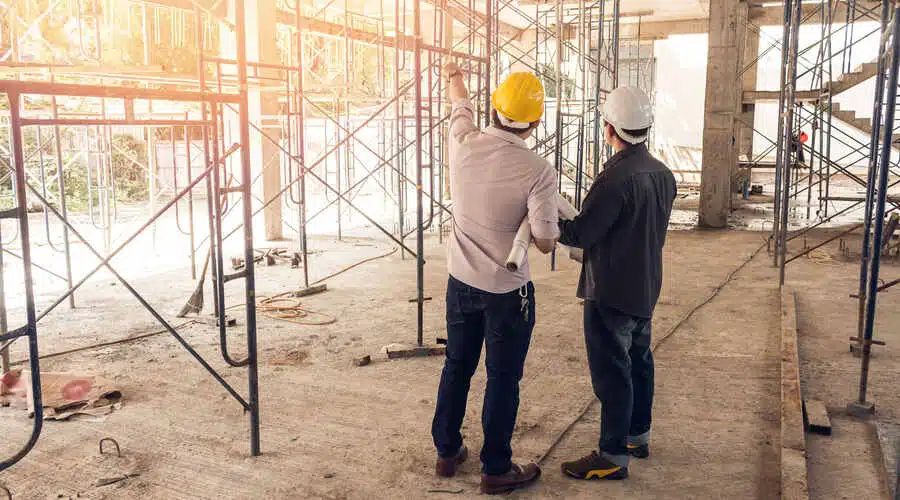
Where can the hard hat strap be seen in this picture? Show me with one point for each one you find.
(506, 122)
(631, 139)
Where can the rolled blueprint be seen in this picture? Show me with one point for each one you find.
(520, 247)
(519, 250)
(568, 212)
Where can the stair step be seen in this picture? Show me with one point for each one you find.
(859, 75)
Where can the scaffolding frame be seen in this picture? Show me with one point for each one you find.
(815, 108)
(405, 112)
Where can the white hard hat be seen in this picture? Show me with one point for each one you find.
(628, 108)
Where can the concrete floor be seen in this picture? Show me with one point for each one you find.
(847, 464)
(333, 430)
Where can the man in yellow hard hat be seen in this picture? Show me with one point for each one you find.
(496, 181)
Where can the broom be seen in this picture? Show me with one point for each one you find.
(195, 302)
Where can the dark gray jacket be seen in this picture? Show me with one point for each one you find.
(622, 229)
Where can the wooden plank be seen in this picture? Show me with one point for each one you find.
(793, 437)
(794, 485)
(306, 292)
(817, 417)
(417, 352)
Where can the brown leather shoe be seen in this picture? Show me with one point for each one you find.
(519, 476)
(446, 467)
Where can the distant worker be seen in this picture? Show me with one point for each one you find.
(622, 229)
(495, 182)
(797, 142)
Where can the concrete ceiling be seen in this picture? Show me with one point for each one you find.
(662, 10)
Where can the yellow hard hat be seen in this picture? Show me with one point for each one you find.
(520, 98)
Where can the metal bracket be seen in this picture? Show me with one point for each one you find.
(114, 442)
(859, 341)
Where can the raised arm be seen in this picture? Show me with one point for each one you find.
(462, 116)
(456, 84)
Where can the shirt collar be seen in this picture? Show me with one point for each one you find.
(509, 137)
(625, 153)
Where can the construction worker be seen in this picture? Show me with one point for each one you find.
(496, 181)
(622, 229)
(797, 145)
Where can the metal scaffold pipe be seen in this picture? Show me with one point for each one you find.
(880, 202)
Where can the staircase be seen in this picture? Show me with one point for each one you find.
(862, 124)
(845, 82)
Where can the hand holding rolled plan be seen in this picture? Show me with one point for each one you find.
(519, 250)
(520, 247)
(568, 212)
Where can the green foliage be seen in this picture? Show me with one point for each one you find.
(67, 37)
(548, 78)
(129, 157)
(129, 154)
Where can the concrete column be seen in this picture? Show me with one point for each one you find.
(265, 156)
(746, 111)
(723, 95)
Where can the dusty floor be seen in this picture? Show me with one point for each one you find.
(332, 430)
(830, 373)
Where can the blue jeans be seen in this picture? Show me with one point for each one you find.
(476, 317)
(621, 363)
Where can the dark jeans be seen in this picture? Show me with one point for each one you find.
(476, 317)
(618, 348)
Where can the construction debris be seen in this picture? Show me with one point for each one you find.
(113, 480)
(269, 256)
(66, 396)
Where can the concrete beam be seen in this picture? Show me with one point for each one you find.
(461, 15)
(214, 6)
(663, 29)
(755, 96)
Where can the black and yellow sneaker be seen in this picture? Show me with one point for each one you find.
(594, 466)
(639, 450)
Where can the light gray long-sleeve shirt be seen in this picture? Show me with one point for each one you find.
(495, 182)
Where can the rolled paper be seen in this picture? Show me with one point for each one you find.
(519, 250)
(520, 247)
(568, 212)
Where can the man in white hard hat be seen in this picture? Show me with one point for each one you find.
(622, 229)
(496, 181)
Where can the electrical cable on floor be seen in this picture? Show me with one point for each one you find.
(290, 309)
(283, 307)
(107, 344)
(280, 307)
(822, 257)
(344, 270)
(671, 331)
